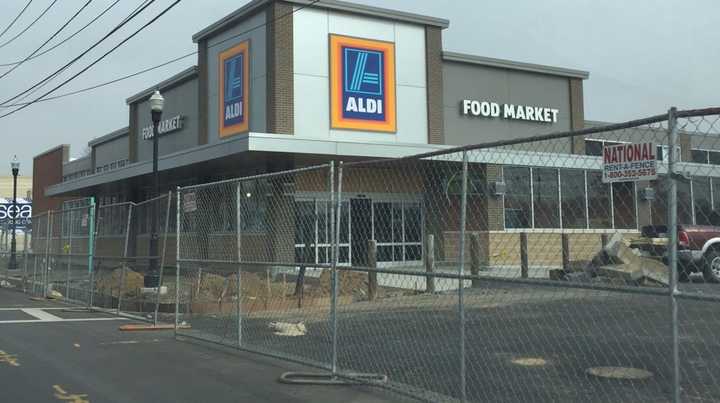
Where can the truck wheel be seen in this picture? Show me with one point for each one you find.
(711, 269)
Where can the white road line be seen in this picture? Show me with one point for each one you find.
(20, 308)
(42, 315)
(3, 322)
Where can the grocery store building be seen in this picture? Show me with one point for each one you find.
(340, 81)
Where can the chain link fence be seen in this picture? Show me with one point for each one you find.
(522, 270)
(517, 270)
(98, 257)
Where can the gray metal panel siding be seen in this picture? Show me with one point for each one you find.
(180, 100)
(112, 151)
(80, 164)
(258, 72)
(466, 81)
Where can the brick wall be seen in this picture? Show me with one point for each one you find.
(47, 170)
(433, 60)
(280, 94)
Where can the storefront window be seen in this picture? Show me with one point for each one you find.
(623, 194)
(572, 186)
(253, 206)
(598, 201)
(593, 147)
(699, 156)
(701, 200)
(546, 202)
(517, 197)
(714, 157)
(684, 201)
(313, 232)
(659, 205)
(397, 229)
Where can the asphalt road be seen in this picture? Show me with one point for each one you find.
(523, 343)
(70, 358)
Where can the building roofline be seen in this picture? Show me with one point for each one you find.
(173, 81)
(58, 147)
(110, 136)
(77, 160)
(513, 65)
(335, 5)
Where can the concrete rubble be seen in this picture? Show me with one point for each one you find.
(617, 263)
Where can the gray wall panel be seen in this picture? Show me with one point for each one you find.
(112, 151)
(483, 83)
(179, 100)
(258, 87)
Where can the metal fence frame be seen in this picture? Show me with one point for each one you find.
(332, 177)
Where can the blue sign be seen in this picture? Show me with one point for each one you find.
(362, 84)
(22, 214)
(363, 93)
(233, 100)
(234, 89)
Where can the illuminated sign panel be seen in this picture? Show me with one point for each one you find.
(362, 84)
(234, 66)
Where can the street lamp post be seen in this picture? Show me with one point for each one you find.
(152, 278)
(15, 166)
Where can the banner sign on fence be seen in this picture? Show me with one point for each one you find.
(22, 214)
(629, 162)
(189, 202)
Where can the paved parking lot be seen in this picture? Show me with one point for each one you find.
(55, 355)
(524, 343)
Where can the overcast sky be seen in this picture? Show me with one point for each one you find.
(643, 56)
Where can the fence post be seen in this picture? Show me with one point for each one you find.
(524, 255)
(34, 277)
(430, 263)
(25, 268)
(177, 262)
(123, 268)
(238, 240)
(69, 257)
(334, 238)
(372, 264)
(48, 242)
(672, 252)
(91, 250)
(603, 240)
(461, 272)
(475, 258)
(565, 242)
(168, 202)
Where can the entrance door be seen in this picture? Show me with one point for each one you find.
(361, 230)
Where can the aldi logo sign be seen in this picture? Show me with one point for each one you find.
(234, 78)
(362, 93)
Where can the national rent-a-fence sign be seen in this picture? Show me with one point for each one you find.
(629, 162)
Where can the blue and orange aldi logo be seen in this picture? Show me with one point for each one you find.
(234, 79)
(362, 84)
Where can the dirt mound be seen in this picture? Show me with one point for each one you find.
(349, 283)
(109, 283)
(254, 286)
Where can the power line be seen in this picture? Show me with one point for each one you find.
(122, 78)
(134, 14)
(64, 40)
(135, 74)
(48, 79)
(29, 26)
(49, 39)
(96, 60)
(16, 18)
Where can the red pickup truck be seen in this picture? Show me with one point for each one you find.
(698, 249)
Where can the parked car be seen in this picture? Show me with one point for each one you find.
(698, 248)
